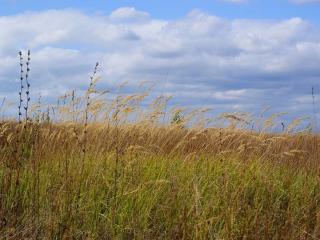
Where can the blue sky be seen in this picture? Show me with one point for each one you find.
(267, 9)
(228, 55)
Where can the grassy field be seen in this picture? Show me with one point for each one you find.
(93, 168)
(148, 182)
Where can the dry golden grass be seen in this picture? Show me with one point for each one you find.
(143, 181)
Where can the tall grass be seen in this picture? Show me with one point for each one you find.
(97, 167)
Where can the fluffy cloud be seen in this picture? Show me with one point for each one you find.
(201, 59)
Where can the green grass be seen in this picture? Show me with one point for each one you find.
(163, 197)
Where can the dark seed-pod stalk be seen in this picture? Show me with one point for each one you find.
(21, 87)
(26, 108)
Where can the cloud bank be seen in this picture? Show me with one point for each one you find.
(202, 60)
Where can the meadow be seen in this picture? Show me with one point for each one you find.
(98, 167)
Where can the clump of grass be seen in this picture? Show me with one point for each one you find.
(89, 91)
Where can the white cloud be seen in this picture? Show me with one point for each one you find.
(129, 14)
(209, 60)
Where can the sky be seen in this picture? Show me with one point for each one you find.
(228, 55)
(164, 9)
